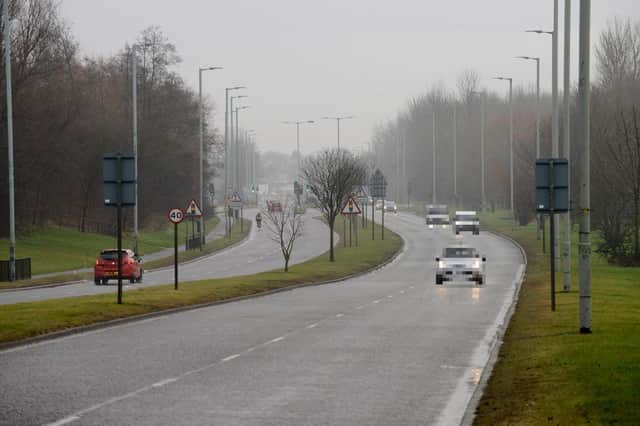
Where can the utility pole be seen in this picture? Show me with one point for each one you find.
(455, 154)
(555, 124)
(134, 119)
(584, 92)
(12, 202)
(566, 283)
(433, 166)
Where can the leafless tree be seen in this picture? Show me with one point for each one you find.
(331, 176)
(284, 227)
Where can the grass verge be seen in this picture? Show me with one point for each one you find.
(24, 320)
(548, 373)
(56, 248)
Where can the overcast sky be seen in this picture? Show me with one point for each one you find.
(303, 60)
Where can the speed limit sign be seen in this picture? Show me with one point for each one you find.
(176, 215)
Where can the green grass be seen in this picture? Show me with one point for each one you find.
(548, 373)
(55, 249)
(23, 320)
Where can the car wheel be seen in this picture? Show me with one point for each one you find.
(96, 281)
(476, 232)
(438, 279)
(480, 280)
(139, 280)
(457, 232)
(105, 281)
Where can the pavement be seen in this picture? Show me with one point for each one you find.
(258, 253)
(385, 348)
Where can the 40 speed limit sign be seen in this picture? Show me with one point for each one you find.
(176, 216)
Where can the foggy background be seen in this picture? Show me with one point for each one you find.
(303, 60)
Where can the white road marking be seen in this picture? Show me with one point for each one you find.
(314, 325)
(401, 291)
(65, 421)
(339, 315)
(390, 296)
(276, 340)
(164, 382)
(411, 287)
(359, 307)
(376, 301)
(230, 357)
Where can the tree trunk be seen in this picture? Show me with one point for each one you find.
(286, 264)
(331, 258)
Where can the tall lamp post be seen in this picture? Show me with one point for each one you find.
(226, 135)
(483, 96)
(554, 111)
(433, 157)
(232, 141)
(510, 80)
(297, 124)
(237, 154)
(7, 70)
(566, 252)
(200, 70)
(338, 119)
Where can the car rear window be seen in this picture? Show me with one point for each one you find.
(112, 254)
(466, 217)
(438, 210)
(459, 252)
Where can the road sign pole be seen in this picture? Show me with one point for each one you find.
(119, 230)
(175, 256)
(344, 232)
(553, 263)
(383, 218)
(373, 223)
(241, 221)
(350, 230)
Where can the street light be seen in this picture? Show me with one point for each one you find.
(12, 209)
(298, 123)
(200, 70)
(483, 96)
(338, 119)
(226, 135)
(554, 113)
(237, 159)
(510, 80)
(233, 140)
(537, 59)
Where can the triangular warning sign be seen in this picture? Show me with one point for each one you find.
(236, 197)
(193, 209)
(351, 207)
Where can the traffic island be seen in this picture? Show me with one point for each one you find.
(549, 373)
(26, 322)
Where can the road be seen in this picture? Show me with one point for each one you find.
(256, 254)
(385, 348)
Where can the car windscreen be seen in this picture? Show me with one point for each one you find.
(467, 217)
(438, 210)
(112, 255)
(459, 252)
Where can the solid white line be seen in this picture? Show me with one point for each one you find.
(230, 357)
(164, 382)
(65, 421)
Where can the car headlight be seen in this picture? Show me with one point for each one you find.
(476, 264)
(441, 264)
(430, 226)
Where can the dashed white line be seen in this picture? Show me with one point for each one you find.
(314, 325)
(276, 340)
(230, 357)
(411, 287)
(339, 315)
(376, 301)
(401, 291)
(390, 296)
(164, 382)
(65, 421)
(359, 307)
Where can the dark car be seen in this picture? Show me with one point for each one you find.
(106, 267)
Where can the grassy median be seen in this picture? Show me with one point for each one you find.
(56, 248)
(547, 372)
(26, 320)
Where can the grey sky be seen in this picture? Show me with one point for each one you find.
(306, 59)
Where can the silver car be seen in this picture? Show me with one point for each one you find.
(460, 263)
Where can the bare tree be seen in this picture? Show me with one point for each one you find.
(284, 227)
(331, 176)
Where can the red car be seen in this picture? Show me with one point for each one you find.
(274, 206)
(106, 267)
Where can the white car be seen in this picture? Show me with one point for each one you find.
(437, 216)
(462, 263)
(466, 221)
